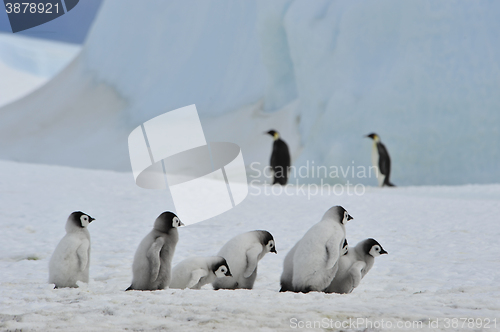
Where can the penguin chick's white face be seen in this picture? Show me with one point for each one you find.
(270, 247)
(81, 219)
(346, 218)
(176, 222)
(223, 271)
(85, 220)
(377, 250)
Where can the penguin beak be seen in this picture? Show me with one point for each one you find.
(181, 223)
(273, 249)
(228, 274)
(349, 217)
(91, 219)
(383, 252)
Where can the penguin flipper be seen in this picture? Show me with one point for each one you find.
(252, 259)
(332, 251)
(153, 256)
(196, 275)
(384, 161)
(356, 272)
(83, 254)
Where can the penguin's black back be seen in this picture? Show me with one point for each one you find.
(280, 161)
(384, 163)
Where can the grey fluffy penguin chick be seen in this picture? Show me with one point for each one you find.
(153, 259)
(243, 253)
(311, 264)
(354, 266)
(196, 272)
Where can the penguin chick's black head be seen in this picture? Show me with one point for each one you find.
(221, 267)
(344, 217)
(81, 219)
(345, 246)
(267, 240)
(371, 243)
(372, 136)
(166, 221)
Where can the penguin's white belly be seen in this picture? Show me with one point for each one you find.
(64, 265)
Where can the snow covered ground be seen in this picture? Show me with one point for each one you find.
(442, 242)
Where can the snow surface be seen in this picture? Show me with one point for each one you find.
(442, 242)
(27, 63)
(424, 75)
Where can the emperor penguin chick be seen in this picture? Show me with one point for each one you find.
(315, 257)
(287, 275)
(198, 271)
(153, 258)
(354, 266)
(242, 253)
(70, 261)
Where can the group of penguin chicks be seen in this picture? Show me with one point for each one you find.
(320, 261)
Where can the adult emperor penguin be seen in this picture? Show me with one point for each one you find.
(280, 159)
(354, 266)
(312, 263)
(242, 253)
(198, 271)
(70, 261)
(153, 258)
(381, 160)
